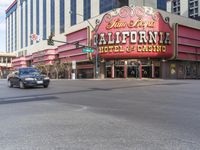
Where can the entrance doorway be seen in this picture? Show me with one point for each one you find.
(132, 68)
(119, 71)
(133, 71)
(157, 72)
(109, 72)
(147, 71)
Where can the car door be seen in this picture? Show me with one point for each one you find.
(11, 77)
(15, 78)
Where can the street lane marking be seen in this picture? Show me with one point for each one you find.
(22, 98)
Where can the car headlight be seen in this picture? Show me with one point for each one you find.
(46, 78)
(29, 79)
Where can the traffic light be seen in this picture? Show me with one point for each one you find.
(77, 44)
(50, 40)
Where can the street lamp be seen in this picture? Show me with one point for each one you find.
(96, 41)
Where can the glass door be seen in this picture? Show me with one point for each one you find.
(109, 72)
(147, 71)
(119, 71)
(133, 71)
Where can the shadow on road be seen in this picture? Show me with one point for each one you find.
(49, 96)
(26, 99)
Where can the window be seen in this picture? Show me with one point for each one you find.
(11, 32)
(105, 6)
(191, 11)
(161, 4)
(4, 59)
(62, 16)
(8, 60)
(53, 16)
(191, 5)
(73, 14)
(26, 23)
(15, 30)
(121, 3)
(31, 19)
(38, 17)
(22, 27)
(176, 3)
(6, 36)
(44, 20)
(87, 9)
(176, 7)
(8, 33)
(196, 10)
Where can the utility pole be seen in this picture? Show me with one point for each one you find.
(96, 45)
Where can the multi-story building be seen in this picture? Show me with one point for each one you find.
(5, 63)
(26, 18)
(29, 24)
(187, 8)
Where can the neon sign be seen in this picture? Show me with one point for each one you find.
(132, 33)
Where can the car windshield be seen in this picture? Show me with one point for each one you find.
(29, 71)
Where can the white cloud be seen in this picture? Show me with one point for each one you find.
(2, 26)
(6, 3)
(2, 23)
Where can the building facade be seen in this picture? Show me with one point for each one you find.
(5, 63)
(186, 8)
(28, 19)
(150, 49)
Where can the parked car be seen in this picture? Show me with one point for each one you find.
(27, 77)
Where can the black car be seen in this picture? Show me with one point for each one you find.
(27, 77)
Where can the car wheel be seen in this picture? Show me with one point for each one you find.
(21, 85)
(46, 85)
(10, 84)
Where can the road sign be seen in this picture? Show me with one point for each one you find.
(87, 50)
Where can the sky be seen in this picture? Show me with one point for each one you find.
(4, 4)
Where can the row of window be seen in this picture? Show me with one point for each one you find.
(11, 32)
(193, 7)
(5, 59)
(176, 3)
(193, 4)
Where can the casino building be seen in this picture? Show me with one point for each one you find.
(129, 40)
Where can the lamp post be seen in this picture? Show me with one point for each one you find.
(96, 43)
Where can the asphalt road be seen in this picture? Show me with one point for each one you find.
(101, 115)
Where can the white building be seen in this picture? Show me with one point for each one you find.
(186, 8)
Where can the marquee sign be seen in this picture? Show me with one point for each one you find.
(134, 33)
